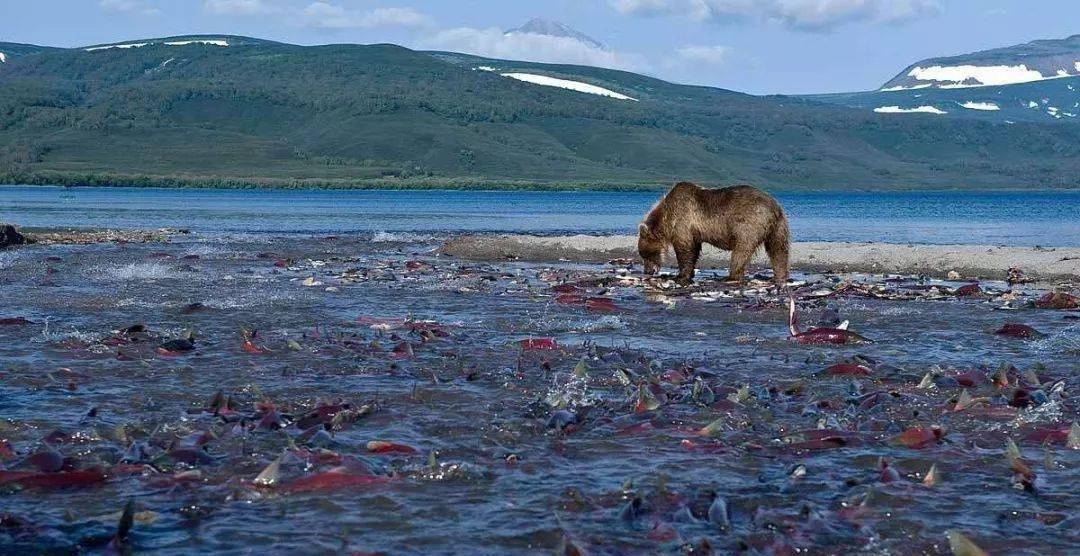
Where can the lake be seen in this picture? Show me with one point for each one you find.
(1020, 218)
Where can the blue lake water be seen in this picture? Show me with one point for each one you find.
(1025, 218)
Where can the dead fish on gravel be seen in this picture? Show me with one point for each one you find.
(822, 335)
(1057, 300)
(967, 290)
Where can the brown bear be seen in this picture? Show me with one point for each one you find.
(737, 219)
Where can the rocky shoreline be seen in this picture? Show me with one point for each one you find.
(11, 236)
(1053, 264)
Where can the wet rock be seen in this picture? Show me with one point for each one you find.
(10, 236)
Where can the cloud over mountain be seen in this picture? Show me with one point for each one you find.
(536, 41)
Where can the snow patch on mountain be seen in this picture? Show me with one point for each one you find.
(213, 42)
(903, 88)
(987, 106)
(976, 76)
(566, 84)
(916, 110)
(122, 46)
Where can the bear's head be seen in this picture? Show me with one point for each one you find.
(650, 247)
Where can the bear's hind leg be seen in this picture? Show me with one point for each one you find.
(687, 256)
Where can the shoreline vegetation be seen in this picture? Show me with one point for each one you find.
(427, 183)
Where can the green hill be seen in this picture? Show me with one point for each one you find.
(263, 113)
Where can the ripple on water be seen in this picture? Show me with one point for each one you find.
(1066, 340)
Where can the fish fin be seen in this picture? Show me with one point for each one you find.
(791, 316)
(844, 325)
(270, 475)
(127, 521)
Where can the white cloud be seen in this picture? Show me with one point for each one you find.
(713, 55)
(494, 43)
(807, 15)
(331, 16)
(236, 7)
(697, 9)
(129, 6)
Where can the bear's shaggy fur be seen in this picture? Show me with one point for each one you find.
(738, 219)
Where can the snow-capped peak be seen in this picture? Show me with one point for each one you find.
(538, 26)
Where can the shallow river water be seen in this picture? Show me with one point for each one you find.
(591, 435)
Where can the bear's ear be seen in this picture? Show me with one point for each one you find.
(644, 230)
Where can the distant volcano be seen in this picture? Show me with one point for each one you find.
(550, 28)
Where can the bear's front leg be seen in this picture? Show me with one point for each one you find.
(740, 258)
(687, 256)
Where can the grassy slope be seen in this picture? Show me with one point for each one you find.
(262, 113)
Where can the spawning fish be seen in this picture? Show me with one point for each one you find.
(821, 335)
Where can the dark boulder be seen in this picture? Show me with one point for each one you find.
(9, 236)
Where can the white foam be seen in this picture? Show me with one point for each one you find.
(566, 84)
(956, 77)
(7, 258)
(988, 106)
(1077, 64)
(1032, 104)
(916, 110)
(3, 58)
(136, 271)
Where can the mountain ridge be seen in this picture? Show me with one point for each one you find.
(265, 113)
(1041, 59)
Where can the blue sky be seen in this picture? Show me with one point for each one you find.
(758, 46)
